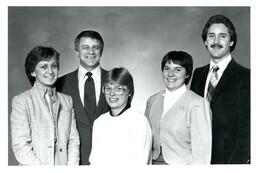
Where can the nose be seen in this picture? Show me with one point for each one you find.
(216, 40)
(91, 51)
(112, 93)
(50, 70)
(171, 72)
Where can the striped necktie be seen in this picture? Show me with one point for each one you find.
(212, 83)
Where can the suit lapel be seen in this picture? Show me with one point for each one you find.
(158, 110)
(102, 104)
(179, 105)
(81, 114)
(76, 89)
(225, 78)
(57, 107)
(43, 110)
(202, 80)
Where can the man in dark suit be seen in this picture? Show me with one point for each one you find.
(84, 85)
(226, 86)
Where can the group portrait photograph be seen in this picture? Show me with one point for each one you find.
(138, 86)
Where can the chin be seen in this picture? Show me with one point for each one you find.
(49, 84)
(114, 107)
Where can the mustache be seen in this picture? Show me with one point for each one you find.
(217, 45)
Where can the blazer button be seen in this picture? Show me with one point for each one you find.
(61, 150)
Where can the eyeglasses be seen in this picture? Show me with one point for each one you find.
(119, 90)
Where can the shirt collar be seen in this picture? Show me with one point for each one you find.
(43, 90)
(176, 93)
(222, 64)
(82, 71)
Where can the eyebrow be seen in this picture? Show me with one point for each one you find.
(221, 33)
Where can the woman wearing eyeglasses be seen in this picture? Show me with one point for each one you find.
(122, 135)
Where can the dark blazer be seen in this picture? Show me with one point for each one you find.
(68, 84)
(230, 107)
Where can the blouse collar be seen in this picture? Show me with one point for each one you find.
(44, 89)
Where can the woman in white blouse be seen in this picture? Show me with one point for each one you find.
(122, 135)
(179, 118)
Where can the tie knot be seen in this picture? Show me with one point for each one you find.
(215, 68)
(89, 74)
(49, 92)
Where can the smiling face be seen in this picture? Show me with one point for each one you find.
(46, 72)
(218, 41)
(116, 96)
(174, 75)
(89, 51)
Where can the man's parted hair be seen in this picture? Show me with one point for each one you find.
(217, 19)
(90, 34)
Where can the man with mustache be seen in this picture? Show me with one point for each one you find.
(226, 86)
(84, 86)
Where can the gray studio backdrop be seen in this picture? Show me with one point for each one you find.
(135, 37)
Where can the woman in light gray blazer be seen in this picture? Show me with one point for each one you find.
(179, 118)
(43, 126)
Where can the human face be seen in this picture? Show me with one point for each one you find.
(116, 96)
(218, 41)
(174, 75)
(89, 52)
(46, 72)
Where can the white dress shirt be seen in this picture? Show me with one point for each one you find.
(82, 77)
(222, 66)
(171, 97)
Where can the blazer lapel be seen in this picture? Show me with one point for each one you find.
(179, 105)
(102, 104)
(43, 110)
(226, 76)
(57, 108)
(81, 114)
(157, 111)
(76, 90)
(202, 80)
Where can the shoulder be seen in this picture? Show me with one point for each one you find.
(65, 99)
(103, 70)
(194, 99)
(64, 96)
(242, 74)
(68, 75)
(200, 69)
(101, 119)
(66, 80)
(22, 97)
(104, 74)
(134, 112)
(136, 116)
(155, 96)
(239, 68)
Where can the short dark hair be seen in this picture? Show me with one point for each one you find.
(91, 34)
(181, 58)
(216, 19)
(122, 77)
(36, 55)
